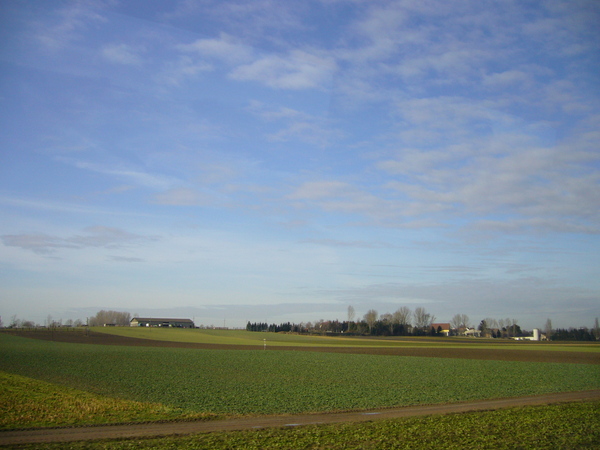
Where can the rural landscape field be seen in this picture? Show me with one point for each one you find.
(126, 375)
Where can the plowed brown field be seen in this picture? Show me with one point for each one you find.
(502, 353)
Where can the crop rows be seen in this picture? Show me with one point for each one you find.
(268, 382)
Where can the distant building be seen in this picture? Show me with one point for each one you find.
(537, 336)
(156, 322)
(472, 332)
(444, 327)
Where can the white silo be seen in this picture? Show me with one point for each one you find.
(536, 334)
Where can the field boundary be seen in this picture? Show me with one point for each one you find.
(146, 430)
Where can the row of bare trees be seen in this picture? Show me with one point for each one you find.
(49, 322)
(401, 322)
(403, 316)
(101, 318)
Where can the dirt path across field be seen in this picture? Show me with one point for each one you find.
(183, 428)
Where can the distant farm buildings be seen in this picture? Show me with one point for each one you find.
(442, 329)
(537, 336)
(155, 322)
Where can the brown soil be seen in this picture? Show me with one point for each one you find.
(12, 438)
(502, 353)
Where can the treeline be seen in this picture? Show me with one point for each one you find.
(15, 322)
(274, 328)
(575, 334)
(101, 318)
(110, 318)
(377, 328)
(403, 322)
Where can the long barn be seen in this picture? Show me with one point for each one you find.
(157, 322)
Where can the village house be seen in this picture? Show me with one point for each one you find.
(443, 328)
(157, 322)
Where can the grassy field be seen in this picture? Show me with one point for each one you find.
(47, 383)
(29, 403)
(249, 338)
(273, 382)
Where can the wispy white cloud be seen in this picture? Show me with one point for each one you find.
(41, 204)
(138, 177)
(96, 236)
(508, 78)
(122, 54)
(70, 23)
(38, 243)
(297, 70)
(298, 125)
(253, 20)
(346, 198)
(127, 259)
(347, 244)
(183, 197)
(182, 69)
(533, 187)
(225, 48)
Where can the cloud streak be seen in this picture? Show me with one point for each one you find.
(95, 236)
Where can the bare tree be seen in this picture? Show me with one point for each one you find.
(513, 327)
(402, 316)
(548, 329)
(491, 323)
(422, 318)
(507, 323)
(15, 322)
(460, 321)
(351, 315)
(371, 317)
(388, 319)
(112, 317)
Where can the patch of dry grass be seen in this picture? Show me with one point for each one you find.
(27, 402)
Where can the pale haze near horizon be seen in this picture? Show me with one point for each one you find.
(234, 161)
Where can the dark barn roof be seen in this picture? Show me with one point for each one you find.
(158, 319)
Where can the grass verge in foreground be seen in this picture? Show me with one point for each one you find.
(28, 403)
(568, 425)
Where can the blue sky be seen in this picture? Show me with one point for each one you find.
(278, 160)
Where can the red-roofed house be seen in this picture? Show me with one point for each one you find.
(444, 328)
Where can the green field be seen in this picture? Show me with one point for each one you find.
(249, 338)
(275, 382)
(48, 383)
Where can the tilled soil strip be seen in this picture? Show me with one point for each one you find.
(183, 428)
(500, 353)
